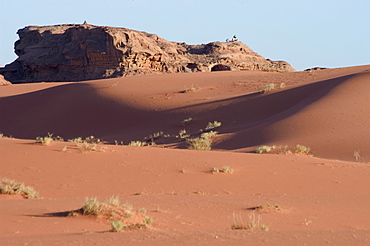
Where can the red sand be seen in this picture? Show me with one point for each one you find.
(325, 198)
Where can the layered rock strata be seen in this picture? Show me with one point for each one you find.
(83, 52)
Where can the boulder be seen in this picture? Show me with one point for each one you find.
(73, 52)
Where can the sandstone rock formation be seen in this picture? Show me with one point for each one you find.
(3, 81)
(83, 52)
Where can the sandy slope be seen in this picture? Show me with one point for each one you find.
(326, 110)
(324, 201)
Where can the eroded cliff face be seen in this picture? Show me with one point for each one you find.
(83, 52)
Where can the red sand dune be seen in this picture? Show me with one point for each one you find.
(325, 201)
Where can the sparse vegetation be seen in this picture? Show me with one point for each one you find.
(154, 136)
(137, 143)
(268, 208)
(45, 140)
(92, 206)
(120, 216)
(186, 121)
(301, 149)
(208, 134)
(183, 134)
(11, 187)
(268, 88)
(199, 143)
(191, 89)
(254, 223)
(357, 156)
(116, 142)
(204, 142)
(117, 225)
(271, 87)
(265, 149)
(211, 126)
(148, 220)
(285, 149)
(225, 169)
(91, 139)
(88, 144)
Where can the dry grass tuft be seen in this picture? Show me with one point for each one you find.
(268, 208)
(301, 149)
(199, 143)
(11, 187)
(120, 216)
(265, 149)
(225, 169)
(254, 223)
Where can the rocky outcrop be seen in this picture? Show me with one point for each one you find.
(83, 52)
(4, 81)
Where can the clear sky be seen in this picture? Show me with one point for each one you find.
(305, 33)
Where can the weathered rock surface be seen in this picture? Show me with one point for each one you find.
(83, 52)
(4, 81)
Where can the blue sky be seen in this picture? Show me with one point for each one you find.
(305, 33)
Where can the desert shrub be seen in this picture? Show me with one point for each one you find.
(269, 208)
(186, 121)
(271, 87)
(225, 169)
(91, 206)
(208, 134)
(268, 88)
(154, 136)
(183, 134)
(282, 85)
(265, 149)
(199, 143)
(90, 139)
(120, 215)
(45, 140)
(12, 187)
(190, 89)
(117, 225)
(212, 126)
(301, 149)
(285, 149)
(148, 220)
(357, 156)
(203, 142)
(137, 143)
